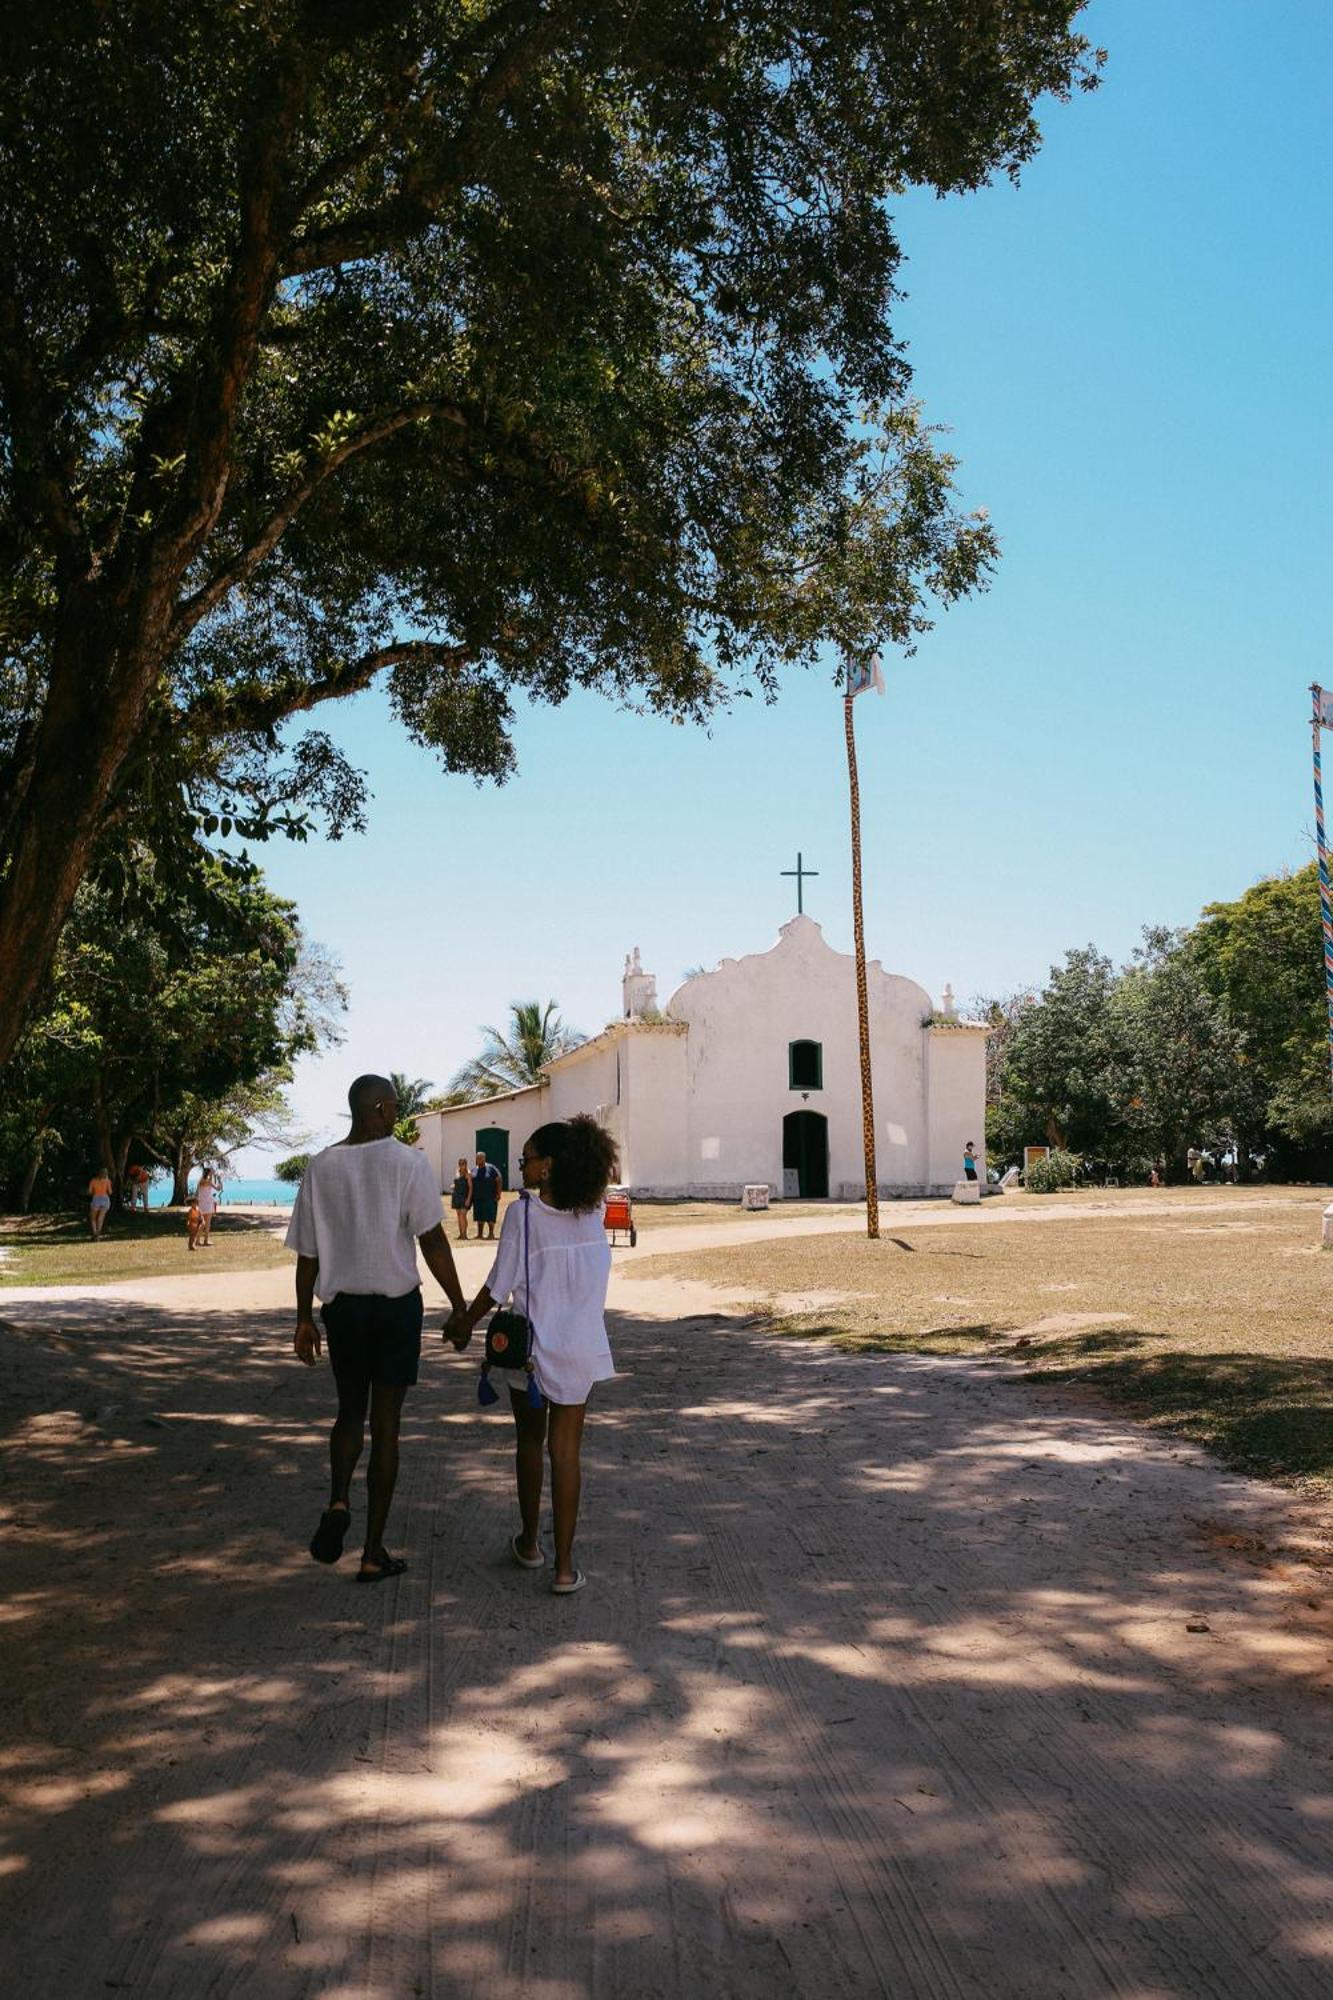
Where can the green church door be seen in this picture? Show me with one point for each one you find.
(493, 1141)
(805, 1147)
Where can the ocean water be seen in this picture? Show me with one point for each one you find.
(267, 1194)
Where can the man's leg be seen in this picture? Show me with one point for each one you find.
(386, 1410)
(346, 1438)
(566, 1437)
(530, 1426)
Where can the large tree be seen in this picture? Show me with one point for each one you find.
(472, 344)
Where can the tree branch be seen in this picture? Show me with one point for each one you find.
(211, 594)
(418, 203)
(251, 713)
(39, 474)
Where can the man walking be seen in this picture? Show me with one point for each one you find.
(362, 1207)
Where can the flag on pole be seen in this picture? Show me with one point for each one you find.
(863, 674)
(1323, 699)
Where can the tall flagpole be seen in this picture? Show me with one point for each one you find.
(862, 997)
(1325, 899)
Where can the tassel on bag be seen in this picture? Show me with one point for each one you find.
(485, 1393)
(534, 1393)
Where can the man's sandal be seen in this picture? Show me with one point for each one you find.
(385, 1567)
(326, 1544)
(525, 1562)
(576, 1582)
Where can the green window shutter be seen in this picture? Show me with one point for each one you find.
(805, 1065)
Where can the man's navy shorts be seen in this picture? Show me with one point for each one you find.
(374, 1339)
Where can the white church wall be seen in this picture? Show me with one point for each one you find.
(957, 1086)
(448, 1136)
(654, 1154)
(742, 1018)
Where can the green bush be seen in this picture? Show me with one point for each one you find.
(293, 1169)
(1048, 1176)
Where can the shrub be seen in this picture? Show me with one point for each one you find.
(293, 1169)
(1048, 1176)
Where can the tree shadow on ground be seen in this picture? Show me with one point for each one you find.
(877, 1688)
(1265, 1414)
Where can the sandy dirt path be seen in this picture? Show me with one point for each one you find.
(883, 1684)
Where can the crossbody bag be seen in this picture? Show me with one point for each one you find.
(511, 1337)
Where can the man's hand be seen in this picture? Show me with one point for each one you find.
(458, 1328)
(306, 1342)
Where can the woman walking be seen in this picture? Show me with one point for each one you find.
(566, 1263)
(461, 1199)
(99, 1202)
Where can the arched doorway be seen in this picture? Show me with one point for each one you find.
(493, 1141)
(805, 1148)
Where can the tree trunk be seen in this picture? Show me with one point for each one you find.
(181, 1163)
(30, 1174)
(104, 666)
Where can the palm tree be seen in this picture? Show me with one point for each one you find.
(411, 1092)
(515, 1058)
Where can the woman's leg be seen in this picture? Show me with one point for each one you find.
(566, 1437)
(530, 1426)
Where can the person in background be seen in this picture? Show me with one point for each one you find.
(194, 1222)
(485, 1197)
(99, 1203)
(206, 1196)
(136, 1180)
(460, 1199)
(566, 1167)
(362, 1209)
(970, 1160)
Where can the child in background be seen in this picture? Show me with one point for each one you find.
(194, 1222)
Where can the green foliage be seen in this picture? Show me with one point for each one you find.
(514, 1058)
(292, 1170)
(411, 1092)
(1179, 1055)
(1214, 1036)
(492, 350)
(171, 1020)
(1057, 1171)
(1063, 1053)
(1263, 954)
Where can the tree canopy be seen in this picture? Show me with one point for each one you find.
(478, 346)
(1214, 1035)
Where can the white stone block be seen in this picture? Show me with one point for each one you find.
(1328, 1227)
(966, 1191)
(754, 1194)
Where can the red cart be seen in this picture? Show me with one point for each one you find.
(618, 1214)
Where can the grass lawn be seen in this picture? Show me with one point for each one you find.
(1213, 1319)
(57, 1249)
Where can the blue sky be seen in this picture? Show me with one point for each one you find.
(1131, 353)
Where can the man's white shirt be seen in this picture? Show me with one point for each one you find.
(359, 1212)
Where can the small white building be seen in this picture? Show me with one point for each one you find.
(751, 1073)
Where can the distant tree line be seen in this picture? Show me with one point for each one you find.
(1212, 1036)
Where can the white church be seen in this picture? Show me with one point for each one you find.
(750, 1074)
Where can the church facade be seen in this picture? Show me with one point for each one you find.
(751, 1073)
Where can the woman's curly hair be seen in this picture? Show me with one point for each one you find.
(583, 1160)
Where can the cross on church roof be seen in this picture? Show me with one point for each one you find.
(802, 874)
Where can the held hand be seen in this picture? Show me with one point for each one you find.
(458, 1329)
(306, 1342)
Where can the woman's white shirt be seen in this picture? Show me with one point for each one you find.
(570, 1263)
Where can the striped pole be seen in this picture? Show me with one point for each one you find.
(1325, 897)
(862, 996)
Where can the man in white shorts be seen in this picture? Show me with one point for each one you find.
(362, 1208)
